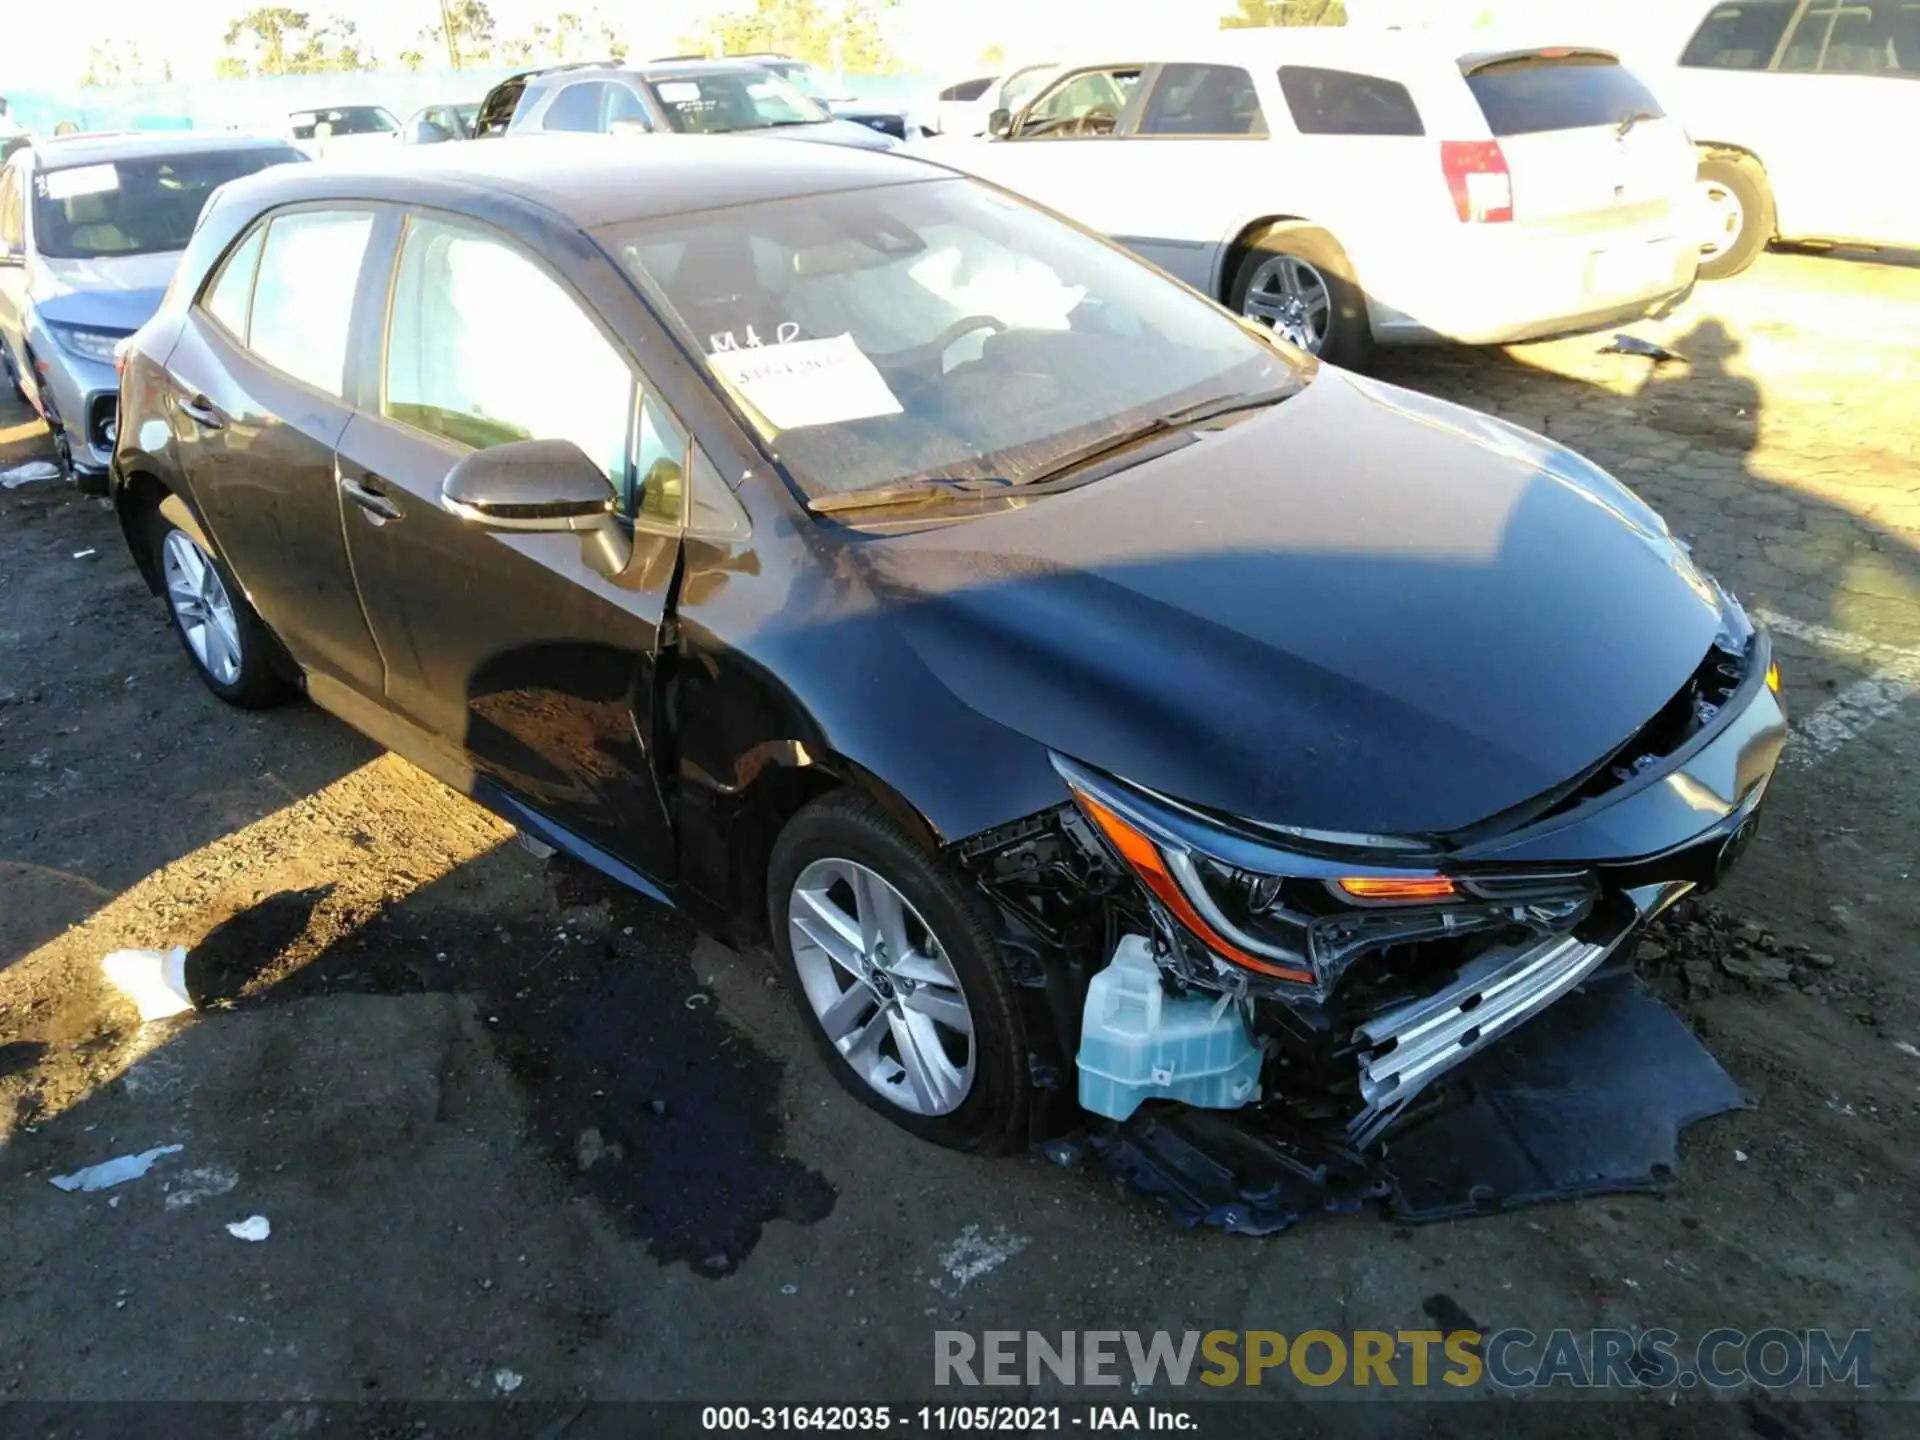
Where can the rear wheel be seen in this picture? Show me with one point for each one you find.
(1297, 281)
(1736, 209)
(217, 627)
(893, 963)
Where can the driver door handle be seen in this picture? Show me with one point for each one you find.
(201, 411)
(369, 498)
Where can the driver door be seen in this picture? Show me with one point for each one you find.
(1069, 150)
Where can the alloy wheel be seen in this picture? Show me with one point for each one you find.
(1722, 218)
(1293, 297)
(882, 987)
(202, 607)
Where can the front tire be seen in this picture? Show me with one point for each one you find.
(1297, 281)
(892, 961)
(219, 630)
(1737, 207)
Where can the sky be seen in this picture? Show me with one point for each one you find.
(44, 48)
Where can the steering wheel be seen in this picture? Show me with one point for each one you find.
(960, 329)
(1098, 121)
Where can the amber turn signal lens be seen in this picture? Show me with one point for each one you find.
(1143, 855)
(1397, 887)
(1773, 678)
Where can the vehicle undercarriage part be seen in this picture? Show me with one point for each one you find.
(1589, 1099)
(1139, 1043)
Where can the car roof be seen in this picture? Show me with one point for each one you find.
(64, 150)
(1365, 49)
(668, 69)
(588, 181)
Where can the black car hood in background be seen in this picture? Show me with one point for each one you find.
(1364, 610)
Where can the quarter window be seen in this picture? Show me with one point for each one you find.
(659, 490)
(1839, 38)
(303, 298)
(1739, 37)
(486, 348)
(1085, 105)
(1339, 102)
(621, 104)
(231, 293)
(1203, 100)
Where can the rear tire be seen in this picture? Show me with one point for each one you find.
(1279, 270)
(223, 637)
(945, 953)
(1733, 192)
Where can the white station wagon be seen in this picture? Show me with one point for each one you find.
(1349, 187)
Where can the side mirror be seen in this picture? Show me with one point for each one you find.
(1000, 123)
(539, 486)
(428, 132)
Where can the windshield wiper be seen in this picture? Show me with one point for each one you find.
(910, 492)
(1626, 125)
(1202, 410)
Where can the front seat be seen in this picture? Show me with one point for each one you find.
(719, 294)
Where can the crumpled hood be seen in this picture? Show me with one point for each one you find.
(1363, 610)
(115, 292)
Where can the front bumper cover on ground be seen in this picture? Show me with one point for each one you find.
(1588, 1099)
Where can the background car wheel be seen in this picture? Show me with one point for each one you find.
(892, 961)
(222, 636)
(1736, 207)
(1297, 280)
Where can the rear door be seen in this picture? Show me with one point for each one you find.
(510, 646)
(255, 388)
(1590, 150)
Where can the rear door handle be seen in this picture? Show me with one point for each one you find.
(202, 412)
(364, 494)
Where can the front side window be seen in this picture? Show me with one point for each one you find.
(620, 106)
(1085, 105)
(1739, 37)
(1203, 100)
(146, 206)
(1339, 102)
(303, 298)
(724, 100)
(576, 109)
(935, 329)
(484, 347)
(230, 296)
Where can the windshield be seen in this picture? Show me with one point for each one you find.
(134, 207)
(347, 120)
(733, 100)
(936, 329)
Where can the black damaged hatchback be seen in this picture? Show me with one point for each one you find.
(1131, 736)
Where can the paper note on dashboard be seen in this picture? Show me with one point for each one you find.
(807, 382)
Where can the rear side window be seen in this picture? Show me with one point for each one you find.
(303, 298)
(468, 311)
(576, 108)
(1845, 37)
(1203, 100)
(230, 295)
(1339, 102)
(1739, 37)
(967, 90)
(1537, 93)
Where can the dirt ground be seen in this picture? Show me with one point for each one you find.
(517, 1133)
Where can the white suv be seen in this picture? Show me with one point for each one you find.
(1350, 188)
(1804, 111)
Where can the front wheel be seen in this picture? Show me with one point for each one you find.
(1736, 210)
(222, 635)
(892, 960)
(1297, 281)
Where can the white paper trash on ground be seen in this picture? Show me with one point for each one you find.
(156, 983)
(116, 1171)
(254, 1227)
(30, 473)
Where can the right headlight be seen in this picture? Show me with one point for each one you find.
(1301, 918)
